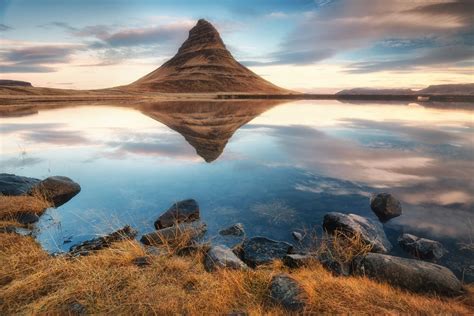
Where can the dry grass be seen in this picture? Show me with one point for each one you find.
(13, 206)
(31, 282)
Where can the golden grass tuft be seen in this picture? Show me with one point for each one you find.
(13, 206)
(107, 282)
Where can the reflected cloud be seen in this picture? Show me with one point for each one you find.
(57, 137)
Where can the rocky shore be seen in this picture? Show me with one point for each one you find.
(352, 245)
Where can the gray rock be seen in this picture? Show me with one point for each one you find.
(234, 230)
(75, 308)
(337, 268)
(371, 232)
(27, 218)
(385, 206)
(191, 230)
(142, 261)
(58, 190)
(183, 211)
(298, 260)
(222, 257)
(13, 185)
(287, 292)
(8, 229)
(297, 236)
(89, 246)
(411, 274)
(421, 248)
(261, 250)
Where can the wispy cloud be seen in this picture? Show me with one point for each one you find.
(4, 27)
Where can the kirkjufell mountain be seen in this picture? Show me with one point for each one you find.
(203, 64)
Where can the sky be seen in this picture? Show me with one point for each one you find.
(318, 46)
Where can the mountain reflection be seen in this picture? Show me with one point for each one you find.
(207, 126)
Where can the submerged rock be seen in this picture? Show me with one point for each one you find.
(297, 236)
(371, 232)
(421, 247)
(190, 231)
(234, 230)
(86, 247)
(410, 274)
(261, 250)
(385, 206)
(222, 257)
(183, 211)
(11, 184)
(58, 190)
(287, 292)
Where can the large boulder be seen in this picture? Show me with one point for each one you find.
(222, 257)
(371, 232)
(86, 247)
(385, 206)
(421, 248)
(261, 250)
(288, 293)
(189, 231)
(11, 184)
(410, 274)
(183, 211)
(58, 190)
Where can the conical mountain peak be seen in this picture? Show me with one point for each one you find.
(203, 64)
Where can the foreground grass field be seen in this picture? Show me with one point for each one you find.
(109, 282)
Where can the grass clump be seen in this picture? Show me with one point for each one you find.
(11, 207)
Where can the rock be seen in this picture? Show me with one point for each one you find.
(234, 230)
(183, 211)
(192, 231)
(75, 308)
(385, 206)
(411, 274)
(6, 279)
(9, 229)
(27, 218)
(288, 293)
(238, 313)
(371, 232)
(421, 247)
(334, 266)
(222, 257)
(86, 247)
(261, 250)
(11, 184)
(58, 190)
(297, 236)
(298, 260)
(142, 261)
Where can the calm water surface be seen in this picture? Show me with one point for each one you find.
(273, 167)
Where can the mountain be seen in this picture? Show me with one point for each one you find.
(203, 64)
(207, 126)
(369, 91)
(449, 89)
(14, 83)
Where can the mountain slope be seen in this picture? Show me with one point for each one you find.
(203, 64)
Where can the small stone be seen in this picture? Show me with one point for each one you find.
(191, 231)
(261, 250)
(385, 206)
(75, 308)
(219, 257)
(234, 230)
(180, 212)
(287, 292)
(422, 248)
(297, 260)
(27, 218)
(142, 261)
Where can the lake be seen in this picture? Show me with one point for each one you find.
(274, 166)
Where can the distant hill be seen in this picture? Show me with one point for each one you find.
(369, 91)
(203, 64)
(449, 89)
(443, 89)
(14, 83)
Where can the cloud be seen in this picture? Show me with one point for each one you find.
(57, 137)
(4, 27)
(32, 59)
(341, 27)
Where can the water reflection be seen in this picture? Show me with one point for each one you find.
(274, 167)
